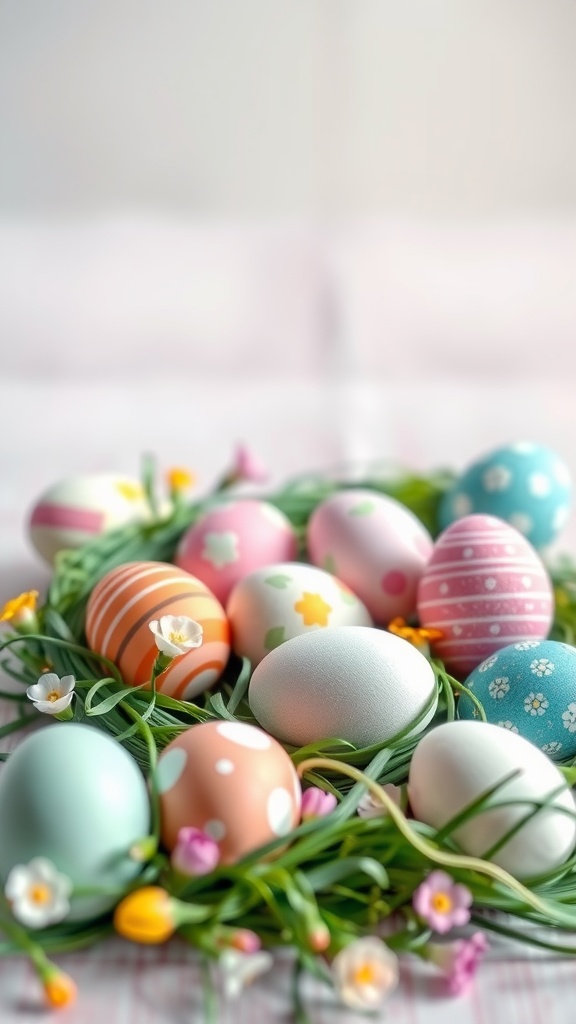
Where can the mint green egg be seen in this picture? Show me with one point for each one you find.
(73, 794)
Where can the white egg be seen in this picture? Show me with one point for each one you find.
(280, 601)
(74, 511)
(357, 683)
(457, 762)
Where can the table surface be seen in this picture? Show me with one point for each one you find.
(47, 433)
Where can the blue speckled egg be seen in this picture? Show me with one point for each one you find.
(529, 688)
(74, 795)
(526, 484)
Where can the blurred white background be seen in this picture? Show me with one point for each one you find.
(335, 229)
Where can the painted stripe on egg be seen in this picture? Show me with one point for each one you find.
(532, 595)
(108, 590)
(66, 517)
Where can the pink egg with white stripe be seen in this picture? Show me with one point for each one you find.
(234, 539)
(484, 587)
(76, 510)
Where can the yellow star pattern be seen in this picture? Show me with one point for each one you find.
(313, 609)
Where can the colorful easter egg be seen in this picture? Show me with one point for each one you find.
(373, 544)
(232, 781)
(529, 688)
(72, 794)
(527, 485)
(235, 538)
(457, 762)
(75, 511)
(121, 607)
(484, 588)
(281, 601)
(355, 683)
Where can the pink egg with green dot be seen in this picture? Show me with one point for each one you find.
(375, 545)
(232, 781)
(233, 539)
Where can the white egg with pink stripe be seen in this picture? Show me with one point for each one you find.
(484, 587)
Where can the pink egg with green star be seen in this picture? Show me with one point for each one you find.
(375, 545)
(231, 540)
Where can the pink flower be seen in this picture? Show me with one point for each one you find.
(316, 803)
(441, 902)
(247, 466)
(245, 941)
(459, 960)
(195, 853)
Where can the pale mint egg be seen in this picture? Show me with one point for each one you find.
(72, 794)
(527, 485)
(529, 688)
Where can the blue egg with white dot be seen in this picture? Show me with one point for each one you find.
(529, 688)
(527, 485)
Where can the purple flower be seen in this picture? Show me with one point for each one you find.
(441, 902)
(195, 853)
(459, 960)
(316, 803)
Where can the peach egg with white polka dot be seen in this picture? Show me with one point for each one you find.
(373, 544)
(231, 780)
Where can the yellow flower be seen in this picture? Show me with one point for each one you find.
(59, 989)
(313, 609)
(20, 608)
(180, 479)
(415, 635)
(146, 916)
(130, 490)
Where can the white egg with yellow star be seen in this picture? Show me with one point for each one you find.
(287, 599)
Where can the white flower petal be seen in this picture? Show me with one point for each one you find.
(53, 707)
(240, 969)
(16, 883)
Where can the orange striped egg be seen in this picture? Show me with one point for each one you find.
(128, 598)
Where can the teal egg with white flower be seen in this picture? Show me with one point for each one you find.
(72, 795)
(527, 485)
(530, 689)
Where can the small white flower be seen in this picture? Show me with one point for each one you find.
(551, 748)
(176, 634)
(535, 704)
(365, 973)
(508, 725)
(497, 478)
(240, 969)
(569, 717)
(521, 522)
(461, 505)
(542, 667)
(527, 645)
(488, 663)
(50, 694)
(499, 687)
(221, 548)
(38, 893)
(539, 485)
(370, 807)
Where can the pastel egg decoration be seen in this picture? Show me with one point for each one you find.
(281, 601)
(527, 485)
(375, 545)
(72, 794)
(129, 597)
(457, 762)
(232, 781)
(530, 689)
(484, 587)
(230, 541)
(76, 510)
(355, 683)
